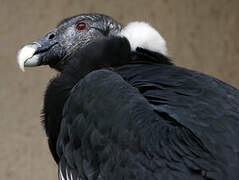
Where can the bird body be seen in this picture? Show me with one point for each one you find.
(117, 112)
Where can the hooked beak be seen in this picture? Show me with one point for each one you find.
(26, 56)
(32, 54)
(38, 53)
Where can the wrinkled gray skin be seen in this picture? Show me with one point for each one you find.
(60, 43)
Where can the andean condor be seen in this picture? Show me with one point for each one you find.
(119, 109)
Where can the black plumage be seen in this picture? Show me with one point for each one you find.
(117, 114)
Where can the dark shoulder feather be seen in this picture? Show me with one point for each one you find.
(145, 56)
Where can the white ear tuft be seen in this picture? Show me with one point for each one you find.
(141, 34)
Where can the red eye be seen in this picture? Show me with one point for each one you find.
(81, 26)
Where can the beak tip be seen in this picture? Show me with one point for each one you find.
(22, 68)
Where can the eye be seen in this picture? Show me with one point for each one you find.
(81, 26)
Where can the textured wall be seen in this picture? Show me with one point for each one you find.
(201, 34)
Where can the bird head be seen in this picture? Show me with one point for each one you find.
(72, 33)
(75, 33)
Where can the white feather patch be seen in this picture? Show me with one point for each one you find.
(141, 34)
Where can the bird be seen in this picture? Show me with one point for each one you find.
(119, 108)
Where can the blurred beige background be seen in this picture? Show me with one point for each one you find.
(201, 35)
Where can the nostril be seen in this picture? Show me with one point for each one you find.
(51, 36)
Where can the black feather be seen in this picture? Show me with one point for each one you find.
(116, 114)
